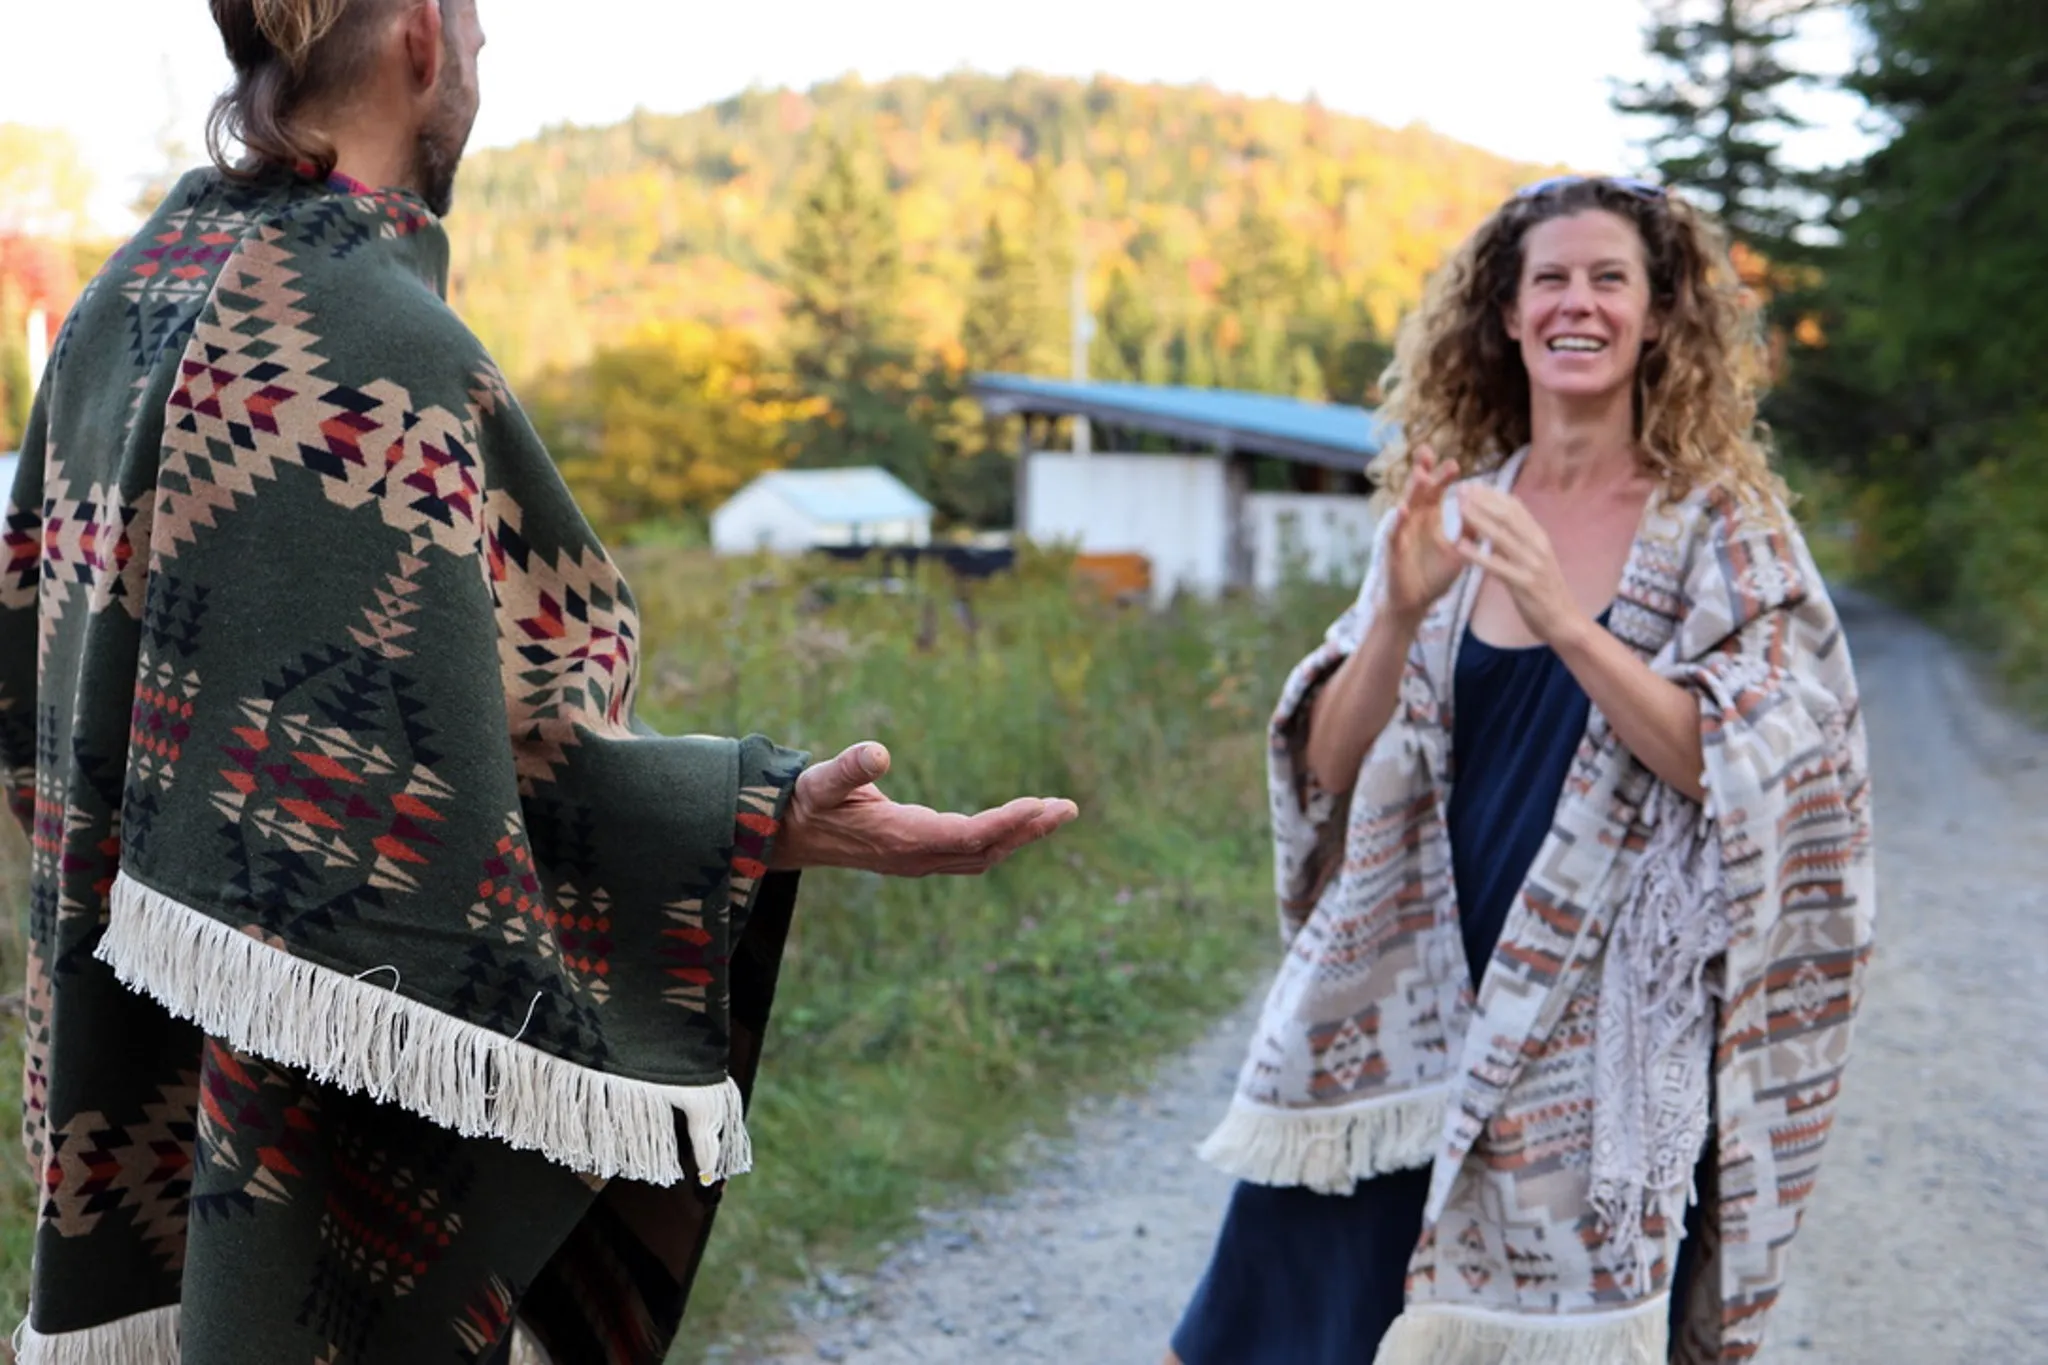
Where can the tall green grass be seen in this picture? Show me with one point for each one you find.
(922, 1026)
(17, 1185)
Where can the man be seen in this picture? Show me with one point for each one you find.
(389, 984)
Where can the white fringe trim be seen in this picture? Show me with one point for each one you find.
(1327, 1150)
(145, 1339)
(362, 1037)
(1437, 1334)
(527, 1351)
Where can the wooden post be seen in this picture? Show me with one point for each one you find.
(1018, 519)
(1083, 332)
(1237, 487)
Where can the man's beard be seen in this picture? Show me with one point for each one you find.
(437, 152)
(437, 155)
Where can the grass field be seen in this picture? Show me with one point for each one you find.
(923, 1026)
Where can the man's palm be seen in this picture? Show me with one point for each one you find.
(837, 817)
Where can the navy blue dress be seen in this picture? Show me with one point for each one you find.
(1300, 1278)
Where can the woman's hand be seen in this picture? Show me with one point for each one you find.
(1421, 563)
(1501, 538)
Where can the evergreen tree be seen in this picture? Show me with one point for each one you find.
(846, 342)
(1942, 226)
(1002, 333)
(1126, 329)
(1050, 248)
(1003, 330)
(1720, 114)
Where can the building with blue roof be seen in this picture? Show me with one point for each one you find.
(1218, 490)
(791, 511)
(1335, 436)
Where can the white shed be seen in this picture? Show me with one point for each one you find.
(794, 510)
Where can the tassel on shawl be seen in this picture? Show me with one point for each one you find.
(360, 1036)
(145, 1339)
(1327, 1150)
(1452, 1336)
(1653, 1043)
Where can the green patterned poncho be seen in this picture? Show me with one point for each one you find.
(388, 983)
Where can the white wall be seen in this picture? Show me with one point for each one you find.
(1169, 508)
(1330, 533)
(756, 518)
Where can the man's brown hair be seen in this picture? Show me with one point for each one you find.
(289, 56)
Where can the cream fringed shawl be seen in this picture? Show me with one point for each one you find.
(1664, 962)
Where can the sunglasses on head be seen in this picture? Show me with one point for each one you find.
(1641, 189)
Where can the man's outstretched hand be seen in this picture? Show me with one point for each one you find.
(837, 818)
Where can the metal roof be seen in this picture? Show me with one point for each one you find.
(861, 495)
(1334, 434)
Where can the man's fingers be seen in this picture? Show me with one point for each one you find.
(1041, 827)
(971, 845)
(980, 833)
(829, 784)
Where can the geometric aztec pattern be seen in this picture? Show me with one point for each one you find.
(374, 707)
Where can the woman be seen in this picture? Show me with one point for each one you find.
(1573, 848)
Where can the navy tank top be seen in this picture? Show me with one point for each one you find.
(1517, 718)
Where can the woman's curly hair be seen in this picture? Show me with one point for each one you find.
(1458, 385)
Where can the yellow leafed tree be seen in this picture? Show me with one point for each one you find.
(667, 424)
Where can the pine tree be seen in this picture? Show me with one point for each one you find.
(1942, 226)
(1262, 303)
(1050, 247)
(1003, 331)
(847, 348)
(1721, 115)
(1128, 324)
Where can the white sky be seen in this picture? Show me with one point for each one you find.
(1527, 78)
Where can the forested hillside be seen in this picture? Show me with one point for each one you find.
(807, 276)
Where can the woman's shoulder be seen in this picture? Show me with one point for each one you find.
(1741, 548)
(1724, 513)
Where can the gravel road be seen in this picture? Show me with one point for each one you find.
(1927, 1244)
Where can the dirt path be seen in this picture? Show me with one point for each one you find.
(1926, 1245)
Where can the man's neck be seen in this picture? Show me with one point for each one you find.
(374, 157)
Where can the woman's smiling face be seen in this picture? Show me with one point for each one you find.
(1582, 310)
